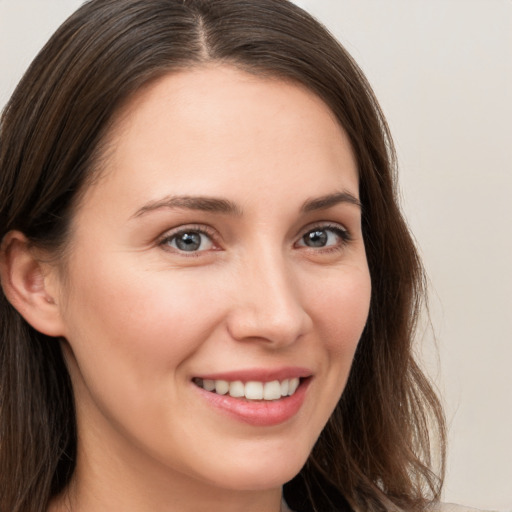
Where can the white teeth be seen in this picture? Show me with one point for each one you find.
(272, 390)
(294, 384)
(236, 389)
(221, 387)
(252, 390)
(209, 385)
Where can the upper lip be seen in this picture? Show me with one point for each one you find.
(259, 374)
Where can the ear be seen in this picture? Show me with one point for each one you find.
(30, 284)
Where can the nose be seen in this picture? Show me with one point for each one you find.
(267, 303)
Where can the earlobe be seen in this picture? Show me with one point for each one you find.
(26, 284)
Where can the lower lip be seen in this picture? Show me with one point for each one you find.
(261, 413)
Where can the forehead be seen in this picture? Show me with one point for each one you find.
(215, 128)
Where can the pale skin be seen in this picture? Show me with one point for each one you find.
(140, 317)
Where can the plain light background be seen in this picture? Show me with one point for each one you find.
(442, 70)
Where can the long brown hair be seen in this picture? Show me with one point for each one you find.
(376, 451)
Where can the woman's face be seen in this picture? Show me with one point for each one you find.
(221, 246)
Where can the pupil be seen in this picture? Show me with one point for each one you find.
(316, 238)
(188, 241)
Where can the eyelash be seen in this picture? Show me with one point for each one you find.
(342, 233)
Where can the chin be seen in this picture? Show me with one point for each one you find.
(264, 470)
(251, 480)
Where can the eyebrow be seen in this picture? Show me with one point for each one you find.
(199, 203)
(227, 207)
(330, 200)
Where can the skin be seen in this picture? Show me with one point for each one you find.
(142, 318)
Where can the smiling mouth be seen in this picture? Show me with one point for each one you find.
(252, 390)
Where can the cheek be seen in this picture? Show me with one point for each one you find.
(341, 309)
(341, 312)
(127, 327)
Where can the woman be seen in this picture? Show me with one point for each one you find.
(209, 293)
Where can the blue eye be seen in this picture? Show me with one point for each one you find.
(324, 236)
(189, 241)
